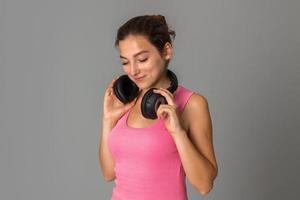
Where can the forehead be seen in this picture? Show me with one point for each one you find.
(131, 45)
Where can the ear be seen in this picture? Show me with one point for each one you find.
(168, 51)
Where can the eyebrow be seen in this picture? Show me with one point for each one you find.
(144, 51)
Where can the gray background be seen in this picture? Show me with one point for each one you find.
(57, 58)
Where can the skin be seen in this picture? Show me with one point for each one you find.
(191, 130)
(153, 68)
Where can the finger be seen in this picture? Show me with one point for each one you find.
(169, 108)
(167, 91)
(163, 111)
(113, 81)
(169, 97)
(109, 89)
(108, 93)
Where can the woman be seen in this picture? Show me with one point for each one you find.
(149, 158)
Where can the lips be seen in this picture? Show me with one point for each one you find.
(139, 78)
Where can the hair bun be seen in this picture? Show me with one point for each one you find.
(161, 18)
(163, 21)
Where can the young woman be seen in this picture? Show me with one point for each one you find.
(149, 158)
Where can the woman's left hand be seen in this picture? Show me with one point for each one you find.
(169, 112)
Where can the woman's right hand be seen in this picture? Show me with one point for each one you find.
(113, 108)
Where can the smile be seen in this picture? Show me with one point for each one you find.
(139, 79)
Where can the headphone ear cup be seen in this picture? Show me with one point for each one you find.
(150, 104)
(125, 89)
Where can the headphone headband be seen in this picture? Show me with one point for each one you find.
(174, 82)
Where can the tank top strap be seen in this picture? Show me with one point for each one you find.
(181, 97)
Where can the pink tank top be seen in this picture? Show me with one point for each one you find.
(147, 164)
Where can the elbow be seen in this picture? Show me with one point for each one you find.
(204, 190)
(109, 178)
(205, 187)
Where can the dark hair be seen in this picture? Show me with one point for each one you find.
(154, 27)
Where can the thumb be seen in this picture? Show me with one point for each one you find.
(134, 101)
(131, 103)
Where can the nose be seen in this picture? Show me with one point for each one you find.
(134, 70)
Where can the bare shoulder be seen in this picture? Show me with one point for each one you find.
(196, 107)
(196, 100)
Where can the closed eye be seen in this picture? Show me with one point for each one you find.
(139, 61)
(144, 60)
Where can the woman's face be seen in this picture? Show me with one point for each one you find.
(140, 58)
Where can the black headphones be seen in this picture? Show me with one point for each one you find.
(126, 90)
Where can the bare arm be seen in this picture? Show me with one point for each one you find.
(106, 160)
(196, 148)
(113, 110)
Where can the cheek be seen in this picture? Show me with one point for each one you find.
(126, 69)
(151, 66)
